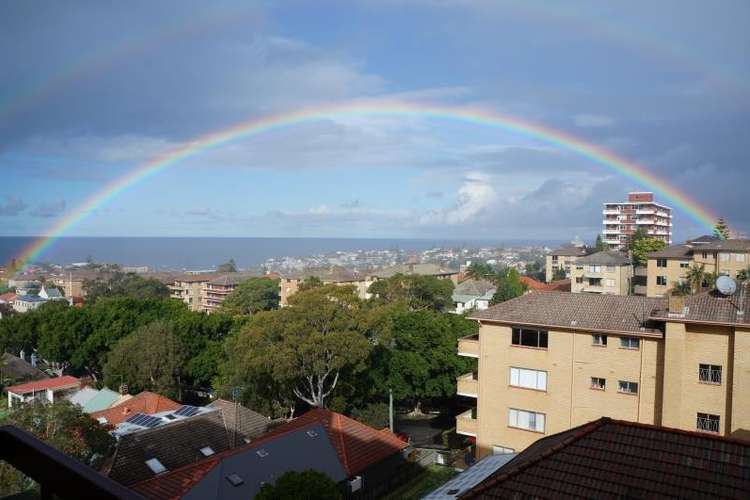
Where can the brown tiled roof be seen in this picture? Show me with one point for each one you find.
(357, 445)
(175, 445)
(559, 285)
(712, 307)
(147, 403)
(673, 252)
(577, 311)
(727, 245)
(333, 274)
(426, 269)
(605, 258)
(233, 279)
(616, 459)
(571, 251)
(245, 421)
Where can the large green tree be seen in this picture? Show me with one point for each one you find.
(151, 358)
(306, 485)
(301, 349)
(62, 425)
(251, 296)
(227, 267)
(480, 270)
(721, 229)
(124, 285)
(416, 291)
(641, 244)
(599, 245)
(509, 285)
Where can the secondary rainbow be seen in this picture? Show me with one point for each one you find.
(564, 140)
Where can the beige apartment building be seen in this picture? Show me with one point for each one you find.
(549, 361)
(563, 258)
(607, 272)
(667, 267)
(189, 289)
(216, 290)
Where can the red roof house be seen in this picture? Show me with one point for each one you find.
(539, 286)
(359, 449)
(44, 390)
(147, 403)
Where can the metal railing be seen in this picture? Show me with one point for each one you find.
(710, 375)
(708, 424)
(57, 475)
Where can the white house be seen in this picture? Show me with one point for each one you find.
(473, 294)
(47, 390)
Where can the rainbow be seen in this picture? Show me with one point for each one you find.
(564, 140)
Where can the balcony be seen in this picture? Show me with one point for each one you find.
(468, 385)
(610, 211)
(645, 211)
(469, 346)
(467, 423)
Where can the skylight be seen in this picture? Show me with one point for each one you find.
(235, 480)
(262, 453)
(155, 466)
(207, 451)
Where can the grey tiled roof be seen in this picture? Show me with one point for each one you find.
(578, 311)
(426, 269)
(249, 424)
(334, 274)
(605, 258)
(571, 251)
(728, 245)
(673, 252)
(712, 307)
(233, 279)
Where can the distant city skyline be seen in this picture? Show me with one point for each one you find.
(98, 101)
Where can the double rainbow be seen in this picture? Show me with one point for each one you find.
(564, 140)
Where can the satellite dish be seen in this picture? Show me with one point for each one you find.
(726, 285)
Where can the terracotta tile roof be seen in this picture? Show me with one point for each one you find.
(712, 307)
(8, 297)
(578, 311)
(616, 459)
(63, 382)
(358, 447)
(175, 445)
(147, 403)
(559, 285)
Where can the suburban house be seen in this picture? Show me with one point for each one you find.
(563, 258)
(289, 282)
(362, 460)
(146, 403)
(243, 424)
(25, 303)
(473, 294)
(91, 400)
(47, 390)
(216, 290)
(426, 269)
(667, 267)
(533, 285)
(607, 272)
(50, 293)
(551, 361)
(610, 458)
(14, 370)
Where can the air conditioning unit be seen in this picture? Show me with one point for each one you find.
(355, 484)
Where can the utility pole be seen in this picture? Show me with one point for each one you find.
(390, 409)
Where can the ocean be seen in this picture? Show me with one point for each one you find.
(207, 253)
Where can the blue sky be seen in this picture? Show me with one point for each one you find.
(91, 90)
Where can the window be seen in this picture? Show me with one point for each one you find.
(529, 379)
(711, 374)
(501, 450)
(724, 257)
(684, 265)
(579, 280)
(529, 338)
(739, 257)
(598, 339)
(528, 420)
(661, 262)
(155, 466)
(579, 268)
(707, 422)
(704, 255)
(598, 383)
(595, 269)
(554, 258)
(630, 343)
(627, 387)
(661, 280)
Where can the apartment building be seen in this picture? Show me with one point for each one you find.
(622, 220)
(550, 361)
(189, 289)
(216, 290)
(606, 272)
(667, 267)
(563, 258)
(289, 282)
(424, 269)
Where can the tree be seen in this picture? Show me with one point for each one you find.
(373, 414)
(600, 246)
(559, 274)
(307, 485)
(227, 267)
(743, 275)
(124, 285)
(151, 358)
(480, 270)
(535, 270)
(251, 296)
(62, 425)
(696, 277)
(416, 291)
(309, 283)
(642, 246)
(681, 288)
(301, 349)
(509, 285)
(721, 230)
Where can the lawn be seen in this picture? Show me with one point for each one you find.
(432, 477)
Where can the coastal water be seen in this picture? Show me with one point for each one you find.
(206, 253)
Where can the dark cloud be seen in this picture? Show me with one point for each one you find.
(12, 206)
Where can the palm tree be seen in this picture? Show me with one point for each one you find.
(695, 276)
(682, 288)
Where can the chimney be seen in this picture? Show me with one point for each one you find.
(123, 389)
(125, 410)
(676, 304)
(22, 355)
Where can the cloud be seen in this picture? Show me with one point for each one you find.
(475, 195)
(593, 121)
(12, 206)
(51, 209)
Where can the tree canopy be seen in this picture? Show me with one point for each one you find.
(227, 267)
(599, 245)
(307, 485)
(721, 230)
(416, 291)
(480, 270)
(251, 296)
(641, 244)
(124, 285)
(509, 285)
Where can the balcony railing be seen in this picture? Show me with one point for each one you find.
(468, 385)
(469, 346)
(57, 475)
(709, 375)
(708, 424)
(467, 423)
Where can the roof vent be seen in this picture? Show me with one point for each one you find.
(262, 453)
(207, 451)
(312, 434)
(235, 480)
(155, 466)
